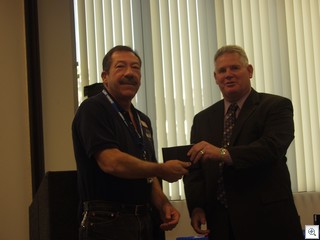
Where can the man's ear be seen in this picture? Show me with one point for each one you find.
(250, 70)
(214, 75)
(104, 76)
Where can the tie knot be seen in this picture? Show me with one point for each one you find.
(232, 108)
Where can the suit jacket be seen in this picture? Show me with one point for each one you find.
(260, 201)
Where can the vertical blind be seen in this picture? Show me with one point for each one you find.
(177, 39)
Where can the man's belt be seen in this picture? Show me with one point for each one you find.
(117, 207)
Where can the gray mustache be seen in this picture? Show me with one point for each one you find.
(128, 80)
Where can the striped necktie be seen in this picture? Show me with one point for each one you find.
(229, 123)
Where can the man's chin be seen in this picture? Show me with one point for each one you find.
(231, 93)
(231, 89)
(129, 94)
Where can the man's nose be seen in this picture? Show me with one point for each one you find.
(228, 73)
(129, 71)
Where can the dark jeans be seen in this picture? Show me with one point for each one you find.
(105, 221)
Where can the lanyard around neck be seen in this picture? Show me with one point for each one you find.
(140, 137)
(114, 105)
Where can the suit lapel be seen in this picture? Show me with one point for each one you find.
(247, 110)
(217, 124)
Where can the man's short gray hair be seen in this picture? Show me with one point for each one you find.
(232, 49)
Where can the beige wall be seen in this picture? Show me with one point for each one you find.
(59, 103)
(183, 229)
(58, 81)
(15, 179)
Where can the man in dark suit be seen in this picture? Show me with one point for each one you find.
(249, 168)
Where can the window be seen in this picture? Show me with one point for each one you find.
(177, 40)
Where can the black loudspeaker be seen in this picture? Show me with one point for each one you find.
(93, 89)
(53, 213)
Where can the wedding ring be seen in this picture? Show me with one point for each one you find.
(202, 152)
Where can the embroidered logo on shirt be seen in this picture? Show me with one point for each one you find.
(144, 124)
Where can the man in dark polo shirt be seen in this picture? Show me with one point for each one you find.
(117, 169)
